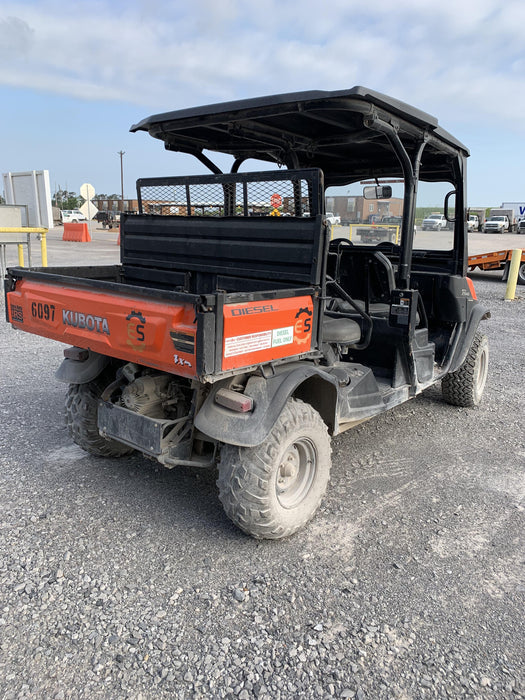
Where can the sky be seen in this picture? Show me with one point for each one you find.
(75, 76)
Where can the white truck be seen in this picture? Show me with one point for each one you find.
(473, 223)
(480, 213)
(434, 222)
(497, 224)
(517, 207)
(332, 218)
(501, 221)
(72, 216)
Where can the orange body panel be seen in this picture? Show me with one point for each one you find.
(261, 331)
(121, 326)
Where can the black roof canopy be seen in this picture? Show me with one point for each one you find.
(341, 132)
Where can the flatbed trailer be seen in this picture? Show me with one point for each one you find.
(497, 260)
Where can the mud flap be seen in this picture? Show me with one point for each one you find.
(82, 371)
(479, 313)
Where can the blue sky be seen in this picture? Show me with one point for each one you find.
(75, 77)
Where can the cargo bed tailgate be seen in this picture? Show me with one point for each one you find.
(135, 328)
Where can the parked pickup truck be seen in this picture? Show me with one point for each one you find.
(332, 218)
(496, 224)
(434, 222)
(246, 342)
(511, 223)
(72, 216)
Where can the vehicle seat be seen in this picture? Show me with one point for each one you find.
(341, 331)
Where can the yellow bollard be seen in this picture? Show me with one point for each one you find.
(512, 280)
(43, 248)
(20, 256)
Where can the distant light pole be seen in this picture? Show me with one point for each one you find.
(121, 153)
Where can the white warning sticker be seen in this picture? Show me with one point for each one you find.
(252, 342)
(243, 344)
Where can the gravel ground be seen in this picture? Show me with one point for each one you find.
(119, 579)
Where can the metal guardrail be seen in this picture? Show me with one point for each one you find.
(21, 236)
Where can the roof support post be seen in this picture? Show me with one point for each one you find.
(410, 174)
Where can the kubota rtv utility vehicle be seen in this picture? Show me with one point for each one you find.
(234, 331)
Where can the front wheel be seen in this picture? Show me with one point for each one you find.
(465, 386)
(270, 491)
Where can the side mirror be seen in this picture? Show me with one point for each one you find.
(377, 192)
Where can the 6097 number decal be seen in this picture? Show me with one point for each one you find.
(44, 312)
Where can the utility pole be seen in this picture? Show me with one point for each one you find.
(121, 153)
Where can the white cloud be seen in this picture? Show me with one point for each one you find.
(15, 37)
(449, 58)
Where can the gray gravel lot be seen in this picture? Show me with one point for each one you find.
(119, 579)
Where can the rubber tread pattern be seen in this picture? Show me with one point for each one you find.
(81, 420)
(458, 387)
(247, 476)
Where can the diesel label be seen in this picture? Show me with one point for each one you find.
(253, 310)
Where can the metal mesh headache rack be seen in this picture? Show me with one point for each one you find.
(287, 193)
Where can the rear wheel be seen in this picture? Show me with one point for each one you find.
(465, 386)
(270, 491)
(521, 274)
(81, 418)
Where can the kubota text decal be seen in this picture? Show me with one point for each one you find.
(77, 319)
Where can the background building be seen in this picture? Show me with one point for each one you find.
(357, 209)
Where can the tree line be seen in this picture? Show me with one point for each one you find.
(63, 199)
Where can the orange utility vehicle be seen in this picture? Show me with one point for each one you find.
(232, 335)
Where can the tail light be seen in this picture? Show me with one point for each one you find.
(234, 400)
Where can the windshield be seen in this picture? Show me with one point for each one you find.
(377, 222)
(365, 221)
